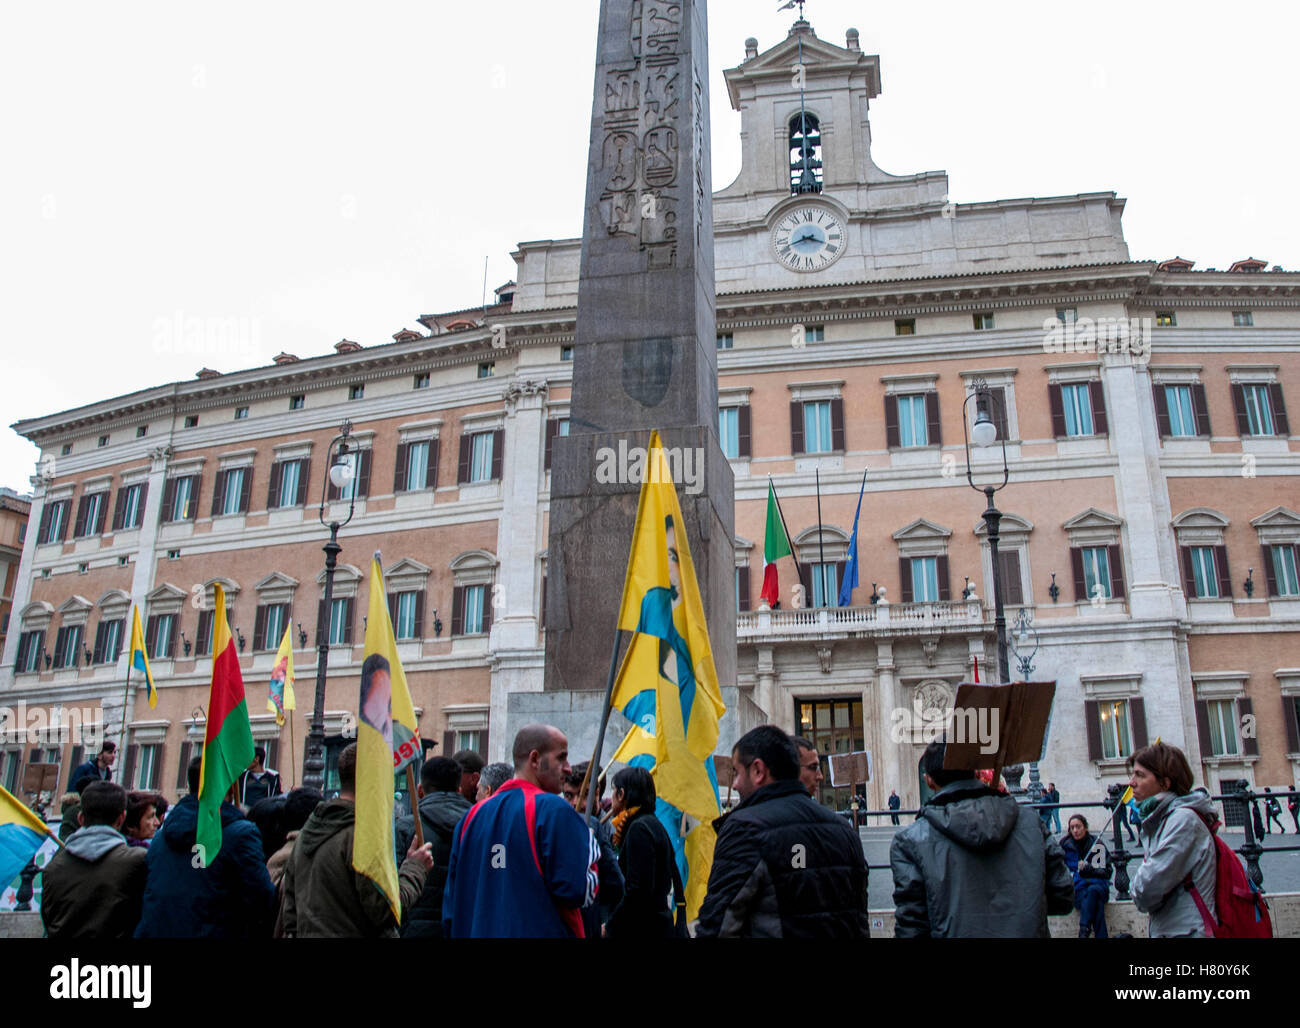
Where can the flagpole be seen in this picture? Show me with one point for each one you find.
(797, 566)
(604, 718)
(821, 548)
(126, 695)
(293, 753)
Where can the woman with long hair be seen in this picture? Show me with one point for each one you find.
(1089, 862)
(645, 856)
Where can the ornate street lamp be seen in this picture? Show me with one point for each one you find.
(1022, 636)
(985, 434)
(340, 472)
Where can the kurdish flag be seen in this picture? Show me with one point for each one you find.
(228, 745)
(22, 833)
(282, 678)
(667, 686)
(139, 659)
(776, 544)
(387, 741)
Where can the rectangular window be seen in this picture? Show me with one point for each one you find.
(1077, 402)
(480, 466)
(817, 426)
(1242, 319)
(274, 618)
(241, 413)
(729, 432)
(487, 369)
(232, 501)
(1182, 417)
(1222, 718)
(132, 512)
(142, 431)
(103, 440)
(1283, 559)
(422, 381)
(1115, 740)
(183, 499)
(1204, 572)
(357, 392)
(67, 646)
(146, 766)
(1165, 319)
(814, 334)
(912, 424)
(191, 421)
(1067, 315)
(13, 765)
(725, 340)
(1096, 571)
(297, 402)
(832, 726)
(1259, 409)
(54, 522)
(474, 597)
(566, 353)
(164, 630)
(905, 326)
(340, 619)
(65, 450)
(983, 321)
(417, 465)
(404, 623)
(90, 518)
(30, 645)
(108, 641)
(925, 580)
(825, 583)
(470, 740)
(290, 481)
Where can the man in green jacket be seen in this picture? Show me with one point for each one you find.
(323, 896)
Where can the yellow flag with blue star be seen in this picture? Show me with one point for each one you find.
(667, 686)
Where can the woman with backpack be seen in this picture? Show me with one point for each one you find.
(1089, 862)
(1179, 848)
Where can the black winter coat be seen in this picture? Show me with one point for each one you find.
(785, 867)
(440, 812)
(645, 858)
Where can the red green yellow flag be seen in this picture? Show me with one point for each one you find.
(228, 745)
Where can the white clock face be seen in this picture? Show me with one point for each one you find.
(808, 239)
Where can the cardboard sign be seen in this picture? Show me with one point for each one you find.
(850, 768)
(992, 726)
(39, 778)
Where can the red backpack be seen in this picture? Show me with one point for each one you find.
(1242, 910)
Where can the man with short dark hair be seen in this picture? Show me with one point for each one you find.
(441, 807)
(975, 863)
(607, 869)
(894, 803)
(523, 862)
(97, 769)
(258, 782)
(324, 898)
(783, 866)
(810, 766)
(231, 898)
(471, 766)
(94, 886)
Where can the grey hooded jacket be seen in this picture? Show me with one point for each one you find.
(1177, 843)
(977, 864)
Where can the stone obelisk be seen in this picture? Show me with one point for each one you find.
(645, 350)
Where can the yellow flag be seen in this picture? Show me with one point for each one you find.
(139, 659)
(386, 743)
(282, 678)
(668, 685)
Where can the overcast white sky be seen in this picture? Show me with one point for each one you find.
(325, 170)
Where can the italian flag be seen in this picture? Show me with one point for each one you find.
(228, 744)
(776, 544)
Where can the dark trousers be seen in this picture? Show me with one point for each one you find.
(893, 819)
(1274, 817)
(1092, 913)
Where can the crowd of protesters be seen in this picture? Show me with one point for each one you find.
(510, 850)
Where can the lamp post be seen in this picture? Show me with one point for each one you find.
(340, 474)
(985, 433)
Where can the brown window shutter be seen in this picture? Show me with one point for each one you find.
(391, 599)
(999, 403)
(1249, 743)
(448, 743)
(322, 622)
(462, 471)
(941, 572)
(43, 535)
(246, 490)
(304, 476)
(552, 430)
(218, 493)
(458, 610)
(933, 430)
(905, 579)
(541, 614)
(1137, 719)
(1092, 722)
(1239, 407)
(840, 566)
(171, 635)
(742, 584)
(1203, 726)
(119, 510)
(203, 639)
(101, 516)
(498, 453)
(1280, 424)
(1291, 721)
(155, 775)
(1162, 409)
(1269, 577)
(165, 511)
(1013, 593)
(1201, 410)
(891, 422)
(489, 592)
(1097, 394)
(744, 431)
(796, 428)
(483, 743)
(128, 768)
(1058, 412)
(273, 485)
(806, 580)
(260, 642)
(196, 491)
(399, 471)
(79, 528)
(1221, 566)
(432, 466)
(332, 492)
(1076, 565)
(419, 614)
(1189, 572)
(181, 778)
(837, 424)
(150, 634)
(363, 476)
(1116, 562)
(97, 655)
(349, 616)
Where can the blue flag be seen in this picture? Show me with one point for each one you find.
(851, 567)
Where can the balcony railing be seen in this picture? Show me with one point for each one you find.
(880, 619)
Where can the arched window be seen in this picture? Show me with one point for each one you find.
(805, 154)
